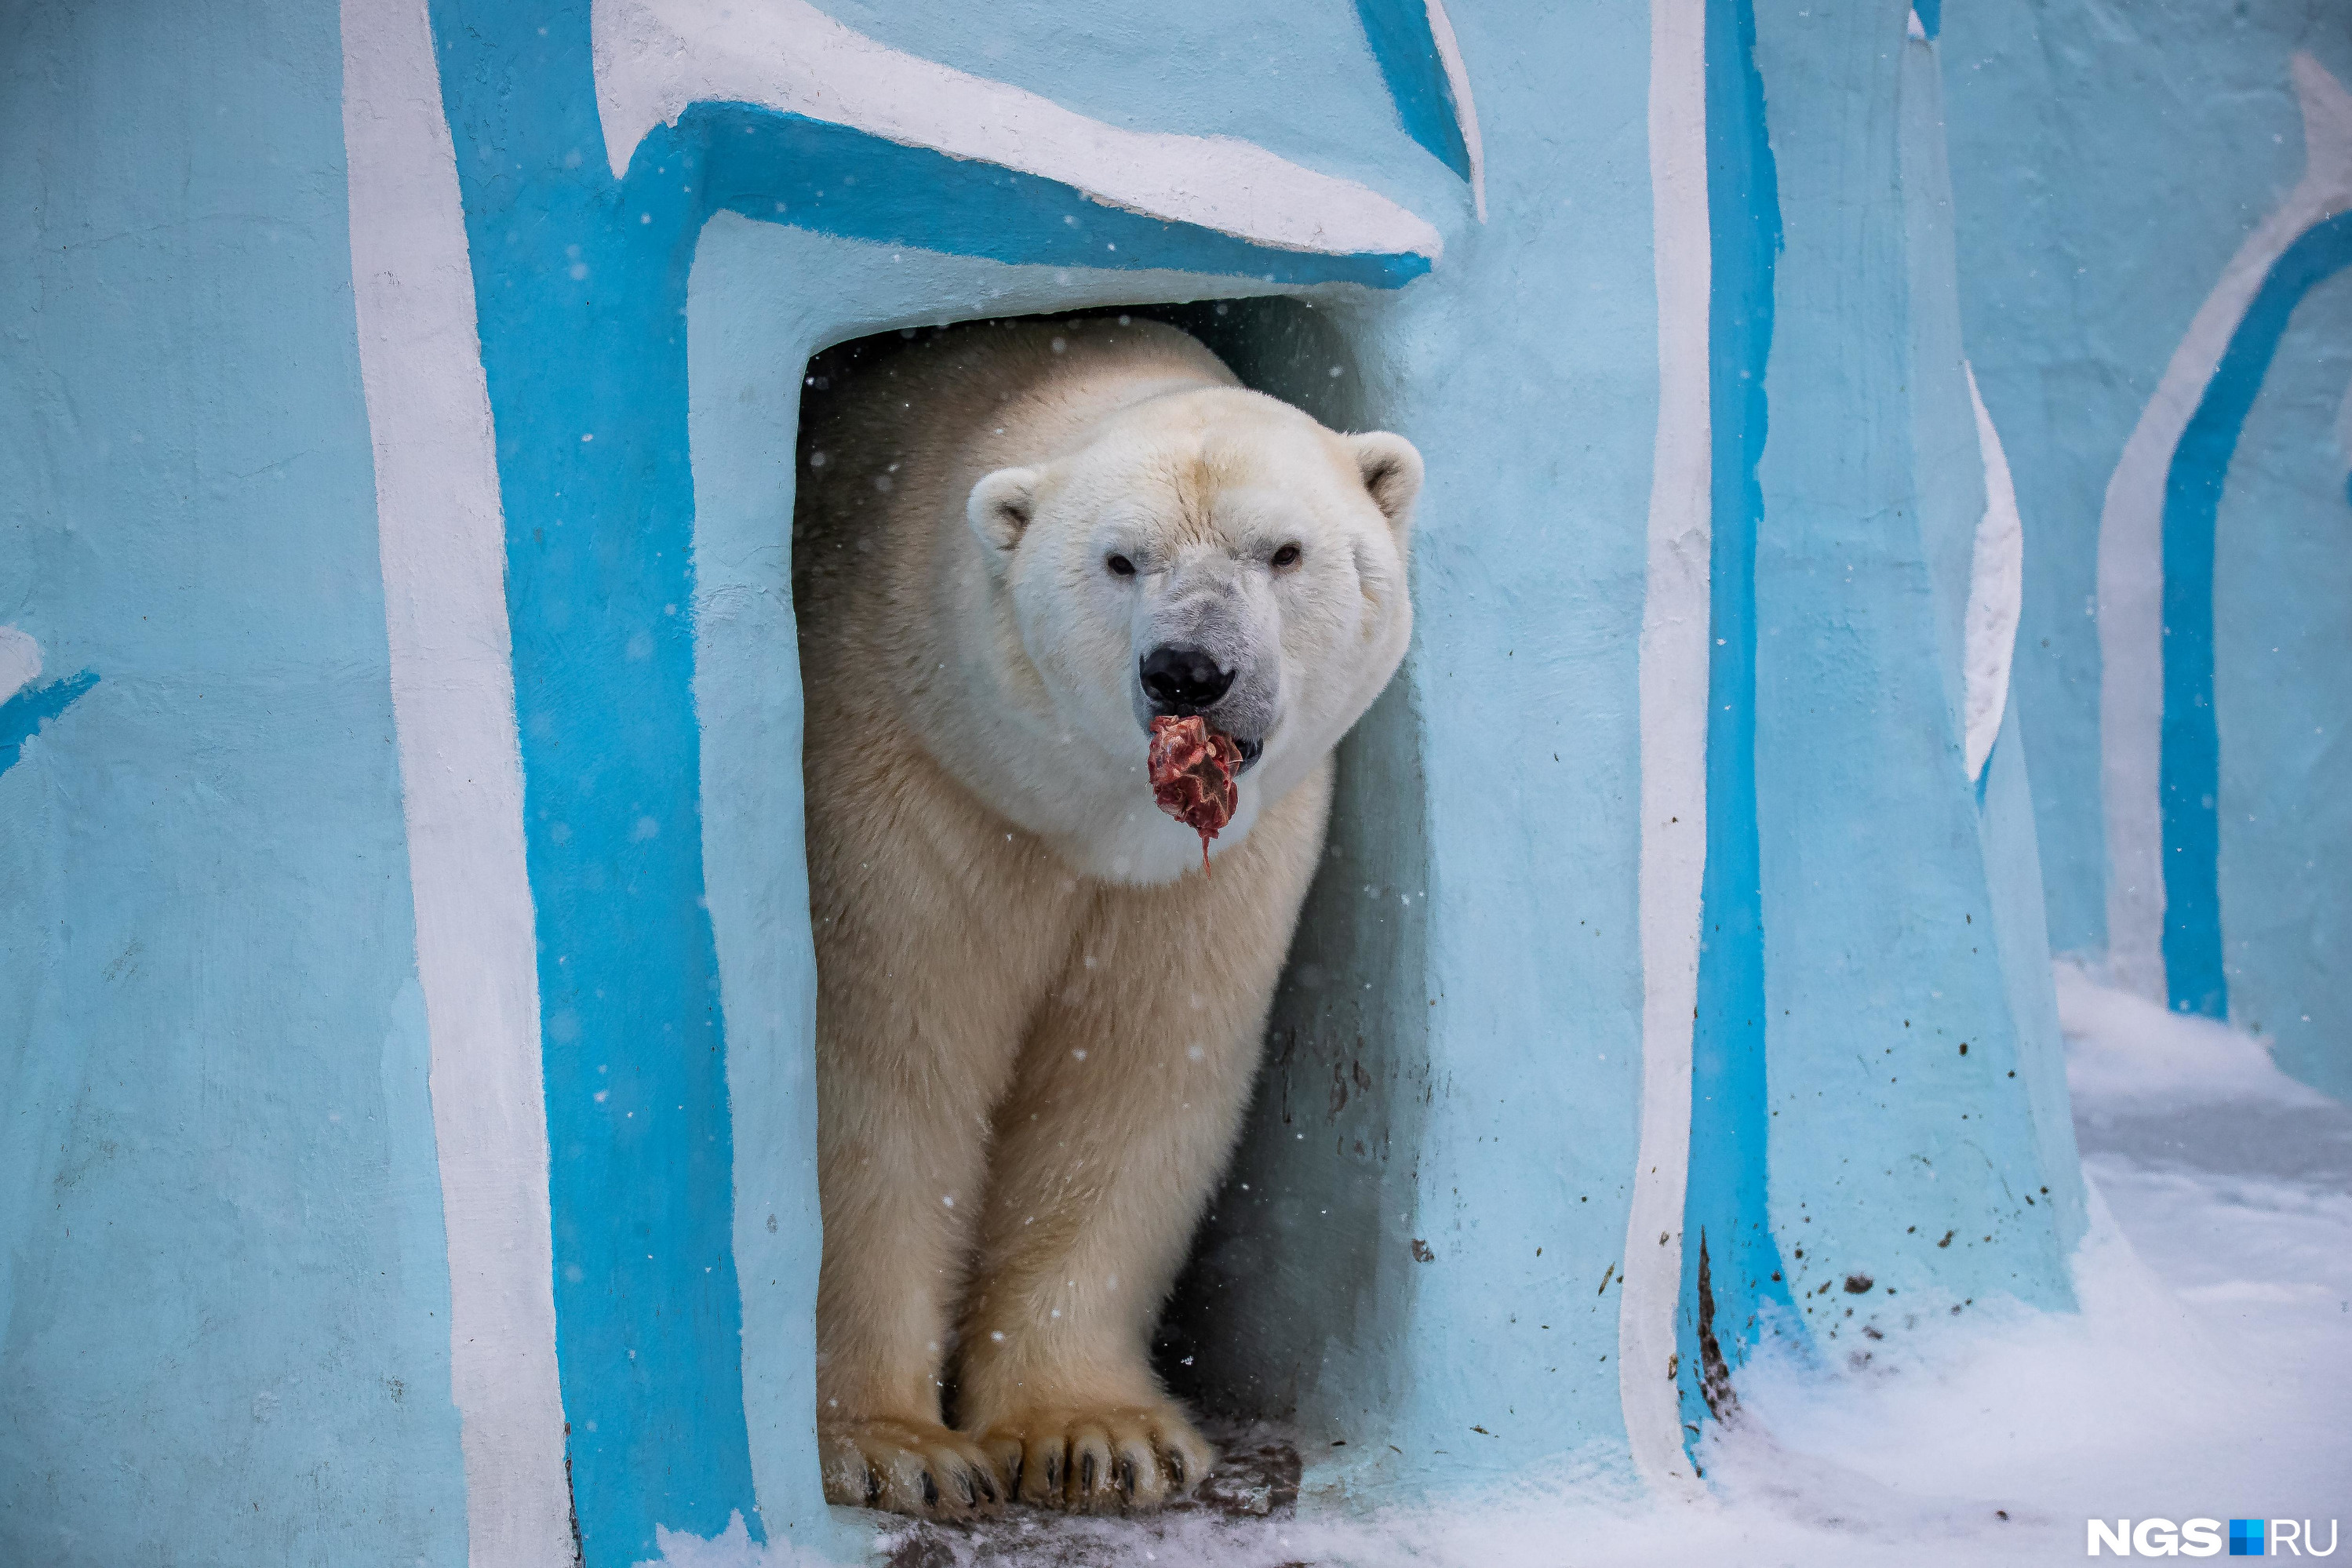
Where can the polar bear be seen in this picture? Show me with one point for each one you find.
(1038, 1010)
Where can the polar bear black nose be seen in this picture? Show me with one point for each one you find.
(1183, 680)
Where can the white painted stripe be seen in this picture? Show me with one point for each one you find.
(443, 542)
(20, 661)
(655, 58)
(1676, 618)
(1465, 109)
(2131, 543)
(1996, 592)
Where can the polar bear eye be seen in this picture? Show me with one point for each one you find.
(1287, 556)
(1119, 566)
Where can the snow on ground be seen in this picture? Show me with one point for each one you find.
(2209, 1375)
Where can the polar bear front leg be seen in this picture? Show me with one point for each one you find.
(1123, 1112)
(891, 1165)
(936, 935)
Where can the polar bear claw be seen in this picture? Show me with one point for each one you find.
(1098, 1460)
(907, 1467)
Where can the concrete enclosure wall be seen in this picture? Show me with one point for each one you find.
(406, 991)
(2151, 208)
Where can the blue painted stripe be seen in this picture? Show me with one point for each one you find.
(581, 287)
(1724, 1210)
(2190, 767)
(1931, 15)
(1398, 32)
(21, 715)
(580, 311)
(832, 179)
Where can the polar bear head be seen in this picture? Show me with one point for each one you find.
(1209, 550)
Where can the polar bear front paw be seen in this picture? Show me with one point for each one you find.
(908, 1467)
(1098, 1460)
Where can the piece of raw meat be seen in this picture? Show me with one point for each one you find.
(1192, 769)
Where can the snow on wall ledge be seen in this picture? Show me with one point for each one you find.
(424, 816)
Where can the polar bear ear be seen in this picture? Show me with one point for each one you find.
(1000, 506)
(1391, 470)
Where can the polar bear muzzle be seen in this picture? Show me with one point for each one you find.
(1179, 681)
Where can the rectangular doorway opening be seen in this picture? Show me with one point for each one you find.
(1280, 1330)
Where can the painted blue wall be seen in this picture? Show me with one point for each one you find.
(223, 1236)
(580, 281)
(2281, 620)
(1886, 996)
(1301, 80)
(1732, 1271)
(2079, 276)
(224, 1319)
(1888, 1133)
(2106, 165)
